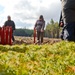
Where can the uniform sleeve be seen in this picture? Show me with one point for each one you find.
(13, 25)
(43, 26)
(5, 24)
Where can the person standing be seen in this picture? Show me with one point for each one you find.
(11, 23)
(68, 14)
(39, 26)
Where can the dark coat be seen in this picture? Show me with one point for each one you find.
(68, 10)
(10, 23)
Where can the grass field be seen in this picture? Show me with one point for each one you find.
(55, 59)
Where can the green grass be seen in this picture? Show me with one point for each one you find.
(56, 59)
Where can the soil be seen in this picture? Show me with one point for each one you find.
(30, 40)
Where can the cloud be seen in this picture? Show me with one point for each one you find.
(26, 12)
(52, 12)
(23, 25)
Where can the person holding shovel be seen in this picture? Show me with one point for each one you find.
(11, 23)
(39, 26)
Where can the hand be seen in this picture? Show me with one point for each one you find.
(42, 30)
(61, 24)
(34, 28)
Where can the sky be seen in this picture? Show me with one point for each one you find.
(25, 12)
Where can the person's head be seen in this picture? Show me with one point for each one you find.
(41, 17)
(8, 17)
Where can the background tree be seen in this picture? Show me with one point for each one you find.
(52, 29)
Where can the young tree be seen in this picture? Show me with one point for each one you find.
(52, 29)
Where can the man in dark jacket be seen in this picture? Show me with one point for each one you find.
(11, 23)
(68, 14)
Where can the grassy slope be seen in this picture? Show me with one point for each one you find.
(56, 59)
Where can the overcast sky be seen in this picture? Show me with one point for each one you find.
(25, 12)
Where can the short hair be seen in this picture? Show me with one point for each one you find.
(8, 16)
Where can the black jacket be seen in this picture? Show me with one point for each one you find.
(68, 10)
(10, 23)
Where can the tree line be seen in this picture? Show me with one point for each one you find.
(23, 32)
(52, 30)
